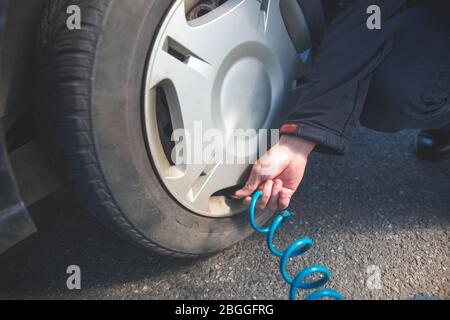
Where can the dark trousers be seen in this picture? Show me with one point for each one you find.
(410, 89)
(394, 78)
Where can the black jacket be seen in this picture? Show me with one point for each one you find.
(332, 99)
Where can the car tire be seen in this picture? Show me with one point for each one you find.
(89, 114)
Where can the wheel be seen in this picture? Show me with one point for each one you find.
(111, 94)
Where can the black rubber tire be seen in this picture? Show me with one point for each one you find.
(89, 114)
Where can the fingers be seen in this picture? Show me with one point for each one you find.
(265, 197)
(284, 199)
(274, 196)
(267, 192)
(253, 183)
(277, 187)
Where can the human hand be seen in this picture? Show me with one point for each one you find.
(278, 173)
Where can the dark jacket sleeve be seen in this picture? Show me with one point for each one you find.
(331, 101)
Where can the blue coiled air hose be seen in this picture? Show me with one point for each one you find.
(297, 248)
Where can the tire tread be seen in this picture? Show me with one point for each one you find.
(63, 113)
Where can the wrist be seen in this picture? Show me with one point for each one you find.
(297, 145)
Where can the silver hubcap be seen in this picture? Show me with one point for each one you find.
(235, 67)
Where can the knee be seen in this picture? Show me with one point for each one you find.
(408, 104)
(384, 109)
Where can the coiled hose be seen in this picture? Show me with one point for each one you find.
(297, 248)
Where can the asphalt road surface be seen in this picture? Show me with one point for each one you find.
(379, 206)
